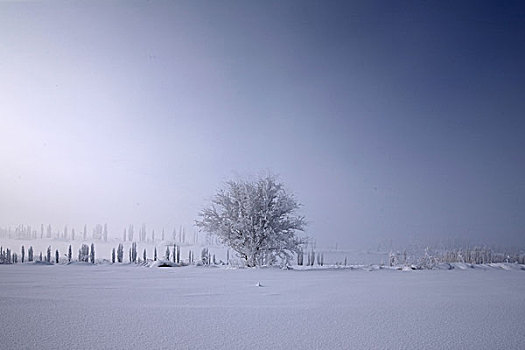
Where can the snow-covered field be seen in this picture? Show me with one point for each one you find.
(126, 306)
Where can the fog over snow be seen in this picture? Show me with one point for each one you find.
(388, 120)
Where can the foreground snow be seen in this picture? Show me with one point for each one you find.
(124, 306)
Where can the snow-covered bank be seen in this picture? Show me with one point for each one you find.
(125, 306)
(441, 266)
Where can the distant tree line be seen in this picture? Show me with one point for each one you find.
(100, 232)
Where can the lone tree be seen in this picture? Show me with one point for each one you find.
(257, 219)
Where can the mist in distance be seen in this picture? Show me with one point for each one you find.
(388, 121)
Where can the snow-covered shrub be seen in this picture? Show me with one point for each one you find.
(392, 258)
(83, 253)
(205, 256)
(428, 261)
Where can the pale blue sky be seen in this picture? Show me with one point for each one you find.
(386, 119)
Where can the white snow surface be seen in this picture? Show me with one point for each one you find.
(82, 306)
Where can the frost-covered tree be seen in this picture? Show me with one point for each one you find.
(48, 255)
(113, 256)
(83, 253)
(310, 258)
(92, 253)
(144, 254)
(120, 253)
(167, 255)
(256, 219)
(69, 254)
(133, 257)
(5, 256)
(30, 254)
(142, 233)
(23, 254)
(300, 257)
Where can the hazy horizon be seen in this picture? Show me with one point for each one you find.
(387, 120)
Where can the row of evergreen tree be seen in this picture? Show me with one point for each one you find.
(476, 255)
(117, 255)
(311, 258)
(100, 232)
(85, 254)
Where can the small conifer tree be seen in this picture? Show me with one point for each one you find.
(92, 253)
